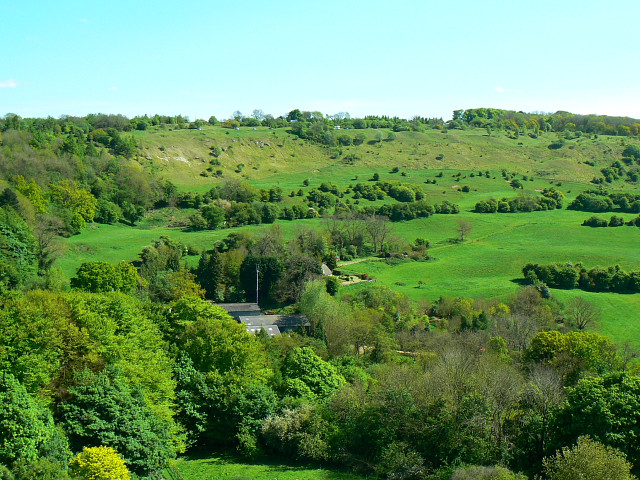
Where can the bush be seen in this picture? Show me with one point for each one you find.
(486, 473)
(588, 459)
(332, 285)
(595, 222)
(400, 462)
(100, 463)
(616, 221)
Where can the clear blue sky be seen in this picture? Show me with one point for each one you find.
(404, 58)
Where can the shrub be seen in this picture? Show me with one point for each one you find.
(587, 459)
(616, 221)
(486, 473)
(100, 463)
(595, 222)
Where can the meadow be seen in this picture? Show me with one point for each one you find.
(233, 469)
(487, 264)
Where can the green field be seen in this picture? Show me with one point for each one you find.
(486, 265)
(218, 468)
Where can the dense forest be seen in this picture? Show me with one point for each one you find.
(129, 365)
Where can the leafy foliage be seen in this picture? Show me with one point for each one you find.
(25, 427)
(587, 459)
(104, 410)
(101, 277)
(309, 376)
(100, 463)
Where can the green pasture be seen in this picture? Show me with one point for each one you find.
(114, 243)
(218, 468)
(489, 263)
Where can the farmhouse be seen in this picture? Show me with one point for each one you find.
(283, 323)
(236, 310)
(249, 314)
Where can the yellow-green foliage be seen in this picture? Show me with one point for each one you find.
(33, 192)
(219, 345)
(45, 337)
(100, 277)
(80, 201)
(594, 352)
(588, 459)
(100, 463)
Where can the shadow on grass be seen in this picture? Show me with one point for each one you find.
(523, 282)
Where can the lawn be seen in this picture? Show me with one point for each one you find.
(217, 467)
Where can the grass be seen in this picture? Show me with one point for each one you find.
(228, 468)
(489, 262)
(485, 265)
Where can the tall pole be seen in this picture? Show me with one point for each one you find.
(256, 283)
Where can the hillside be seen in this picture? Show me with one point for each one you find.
(487, 265)
(279, 157)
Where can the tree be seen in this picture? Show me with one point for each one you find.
(269, 268)
(573, 353)
(105, 410)
(107, 212)
(25, 426)
(17, 249)
(213, 215)
(209, 273)
(588, 459)
(106, 277)
(307, 375)
(295, 116)
(99, 463)
(345, 140)
(79, 201)
(359, 138)
(219, 361)
(332, 285)
(378, 228)
(8, 198)
(632, 151)
(582, 313)
(298, 268)
(464, 229)
(33, 192)
(605, 408)
(132, 213)
(258, 114)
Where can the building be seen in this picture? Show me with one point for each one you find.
(272, 330)
(236, 310)
(284, 323)
(249, 314)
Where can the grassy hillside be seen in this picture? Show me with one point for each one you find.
(277, 157)
(486, 264)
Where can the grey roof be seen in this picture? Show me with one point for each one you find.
(282, 321)
(326, 270)
(272, 330)
(239, 307)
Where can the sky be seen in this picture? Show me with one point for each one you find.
(374, 57)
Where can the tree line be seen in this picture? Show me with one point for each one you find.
(596, 279)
